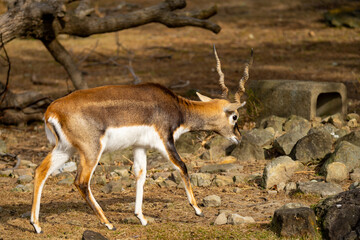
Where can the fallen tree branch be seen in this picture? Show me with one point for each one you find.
(160, 13)
(18, 160)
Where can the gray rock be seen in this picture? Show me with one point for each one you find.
(160, 182)
(3, 148)
(6, 173)
(290, 187)
(346, 153)
(341, 133)
(355, 175)
(135, 220)
(259, 137)
(26, 214)
(221, 181)
(236, 219)
(247, 151)
(170, 183)
(131, 220)
(297, 124)
(353, 123)
(159, 162)
(164, 175)
(336, 172)
(237, 190)
(100, 180)
(313, 147)
(23, 171)
(354, 185)
(294, 222)
(201, 179)
(128, 182)
(279, 171)
(355, 116)
(67, 167)
(218, 147)
(352, 137)
(123, 173)
(113, 186)
(280, 186)
(24, 179)
(23, 188)
(239, 178)
(175, 176)
(25, 163)
(186, 143)
(91, 235)
(293, 205)
(221, 219)
(66, 181)
(326, 128)
(339, 216)
(337, 120)
(273, 121)
(285, 143)
(107, 159)
(217, 168)
(319, 188)
(272, 192)
(212, 201)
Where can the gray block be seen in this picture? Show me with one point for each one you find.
(307, 99)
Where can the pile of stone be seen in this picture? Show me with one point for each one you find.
(331, 145)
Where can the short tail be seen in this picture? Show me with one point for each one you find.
(51, 133)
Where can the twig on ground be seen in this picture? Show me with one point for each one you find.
(180, 85)
(18, 160)
(128, 159)
(302, 172)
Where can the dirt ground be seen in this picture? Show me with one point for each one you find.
(290, 41)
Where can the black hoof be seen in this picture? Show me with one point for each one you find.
(113, 229)
(200, 215)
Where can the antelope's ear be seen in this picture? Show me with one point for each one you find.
(233, 107)
(203, 98)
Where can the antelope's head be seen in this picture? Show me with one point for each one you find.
(225, 115)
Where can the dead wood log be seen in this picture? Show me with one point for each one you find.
(46, 19)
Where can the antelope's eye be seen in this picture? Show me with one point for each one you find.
(235, 117)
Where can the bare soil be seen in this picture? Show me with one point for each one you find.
(290, 42)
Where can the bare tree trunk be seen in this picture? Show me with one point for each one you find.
(63, 57)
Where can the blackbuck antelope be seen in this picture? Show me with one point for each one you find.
(144, 116)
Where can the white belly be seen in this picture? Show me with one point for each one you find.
(137, 136)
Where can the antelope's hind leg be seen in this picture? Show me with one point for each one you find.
(140, 174)
(52, 161)
(86, 169)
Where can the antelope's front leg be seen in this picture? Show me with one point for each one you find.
(140, 174)
(175, 158)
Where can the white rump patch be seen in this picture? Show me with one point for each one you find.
(50, 136)
(64, 143)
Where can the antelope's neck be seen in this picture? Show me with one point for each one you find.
(198, 115)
